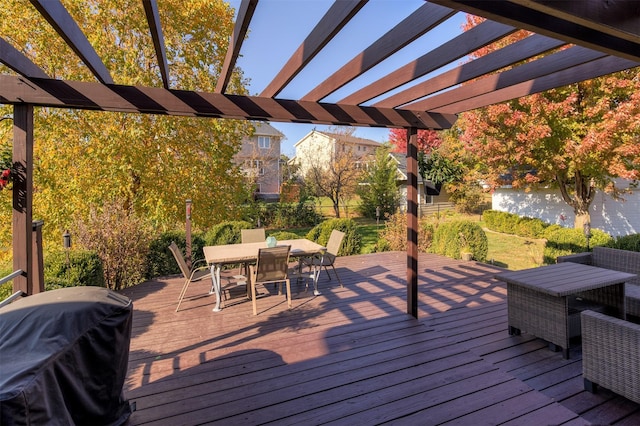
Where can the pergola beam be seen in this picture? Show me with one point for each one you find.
(153, 18)
(456, 48)
(56, 14)
(338, 15)
(148, 100)
(518, 51)
(420, 22)
(245, 13)
(14, 59)
(587, 23)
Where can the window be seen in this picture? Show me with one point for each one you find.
(264, 142)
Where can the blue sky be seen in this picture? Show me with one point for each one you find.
(279, 27)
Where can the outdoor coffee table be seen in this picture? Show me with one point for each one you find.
(547, 301)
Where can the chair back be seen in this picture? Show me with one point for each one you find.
(335, 241)
(252, 235)
(273, 264)
(180, 259)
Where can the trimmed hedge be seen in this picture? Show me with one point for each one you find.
(450, 237)
(562, 241)
(352, 240)
(626, 242)
(510, 223)
(84, 268)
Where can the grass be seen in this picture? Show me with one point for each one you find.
(508, 251)
(512, 252)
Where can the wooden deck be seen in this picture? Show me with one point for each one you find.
(353, 356)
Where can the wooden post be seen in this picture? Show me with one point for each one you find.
(412, 221)
(23, 197)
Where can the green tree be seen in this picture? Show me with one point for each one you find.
(379, 187)
(148, 163)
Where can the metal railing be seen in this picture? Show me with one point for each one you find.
(15, 295)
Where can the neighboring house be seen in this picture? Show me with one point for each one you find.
(427, 204)
(615, 217)
(321, 147)
(259, 158)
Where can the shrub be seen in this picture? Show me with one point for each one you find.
(284, 235)
(226, 233)
(289, 215)
(562, 241)
(394, 235)
(121, 239)
(626, 242)
(352, 241)
(510, 223)
(83, 268)
(450, 238)
(160, 261)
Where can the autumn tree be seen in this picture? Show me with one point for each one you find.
(147, 162)
(334, 170)
(579, 138)
(428, 140)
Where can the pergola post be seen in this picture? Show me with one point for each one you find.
(23, 199)
(412, 221)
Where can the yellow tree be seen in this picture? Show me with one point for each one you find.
(149, 163)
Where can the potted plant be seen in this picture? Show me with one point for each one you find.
(465, 250)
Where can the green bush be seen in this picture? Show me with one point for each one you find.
(450, 238)
(160, 261)
(510, 223)
(84, 268)
(626, 242)
(563, 241)
(226, 233)
(289, 215)
(352, 242)
(284, 235)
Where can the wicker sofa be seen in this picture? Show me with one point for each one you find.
(619, 260)
(611, 354)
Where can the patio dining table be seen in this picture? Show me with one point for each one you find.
(546, 301)
(218, 256)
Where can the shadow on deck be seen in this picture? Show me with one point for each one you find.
(353, 356)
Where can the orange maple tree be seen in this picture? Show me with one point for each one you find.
(579, 138)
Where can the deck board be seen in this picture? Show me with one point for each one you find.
(352, 355)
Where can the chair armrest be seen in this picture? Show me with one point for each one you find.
(197, 262)
(610, 355)
(584, 257)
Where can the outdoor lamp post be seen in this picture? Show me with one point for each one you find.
(587, 233)
(66, 243)
(188, 232)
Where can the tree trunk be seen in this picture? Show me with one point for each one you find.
(336, 209)
(584, 192)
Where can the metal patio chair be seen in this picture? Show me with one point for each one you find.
(272, 267)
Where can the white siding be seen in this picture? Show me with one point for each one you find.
(614, 217)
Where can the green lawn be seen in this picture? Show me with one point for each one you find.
(507, 251)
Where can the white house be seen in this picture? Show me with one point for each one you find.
(615, 217)
(321, 147)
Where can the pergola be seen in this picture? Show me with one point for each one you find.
(570, 41)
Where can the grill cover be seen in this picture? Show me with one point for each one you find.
(63, 358)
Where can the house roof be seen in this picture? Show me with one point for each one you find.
(606, 38)
(265, 129)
